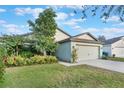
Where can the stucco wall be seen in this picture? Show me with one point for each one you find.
(64, 51)
(85, 36)
(60, 35)
(118, 48)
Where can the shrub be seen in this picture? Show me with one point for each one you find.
(44, 59)
(51, 59)
(104, 55)
(28, 61)
(15, 61)
(1, 71)
(74, 55)
(38, 59)
(26, 54)
(10, 61)
(19, 60)
(3, 53)
(113, 55)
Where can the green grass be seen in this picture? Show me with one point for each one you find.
(56, 75)
(116, 59)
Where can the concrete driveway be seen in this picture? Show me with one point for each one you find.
(105, 64)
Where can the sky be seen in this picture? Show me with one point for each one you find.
(13, 20)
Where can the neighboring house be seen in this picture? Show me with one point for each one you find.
(114, 46)
(88, 47)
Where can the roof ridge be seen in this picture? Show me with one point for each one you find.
(115, 37)
(113, 40)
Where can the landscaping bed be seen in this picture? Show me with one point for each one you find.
(56, 75)
(21, 61)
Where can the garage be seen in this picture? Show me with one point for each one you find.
(86, 52)
(86, 45)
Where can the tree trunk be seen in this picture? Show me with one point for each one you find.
(17, 50)
(44, 53)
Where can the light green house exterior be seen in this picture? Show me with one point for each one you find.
(88, 47)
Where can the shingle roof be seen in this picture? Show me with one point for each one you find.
(88, 34)
(112, 40)
(79, 40)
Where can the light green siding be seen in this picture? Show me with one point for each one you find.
(64, 51)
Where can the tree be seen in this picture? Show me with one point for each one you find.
(102, 38)
(44, 29)
(106, 11)
(74, 54)
(13, 44)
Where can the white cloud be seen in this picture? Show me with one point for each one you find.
(71, 14)
(73, 22)
(58, 7)
(2, 22)
(107, 32)
(12, 29)
(61, 16)
(119, 24)
(74, 6)
(10, 25)
(35, 12)
(113, 30)
(112, 19)
(2, 10)
(76, 27)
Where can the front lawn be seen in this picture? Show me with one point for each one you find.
(56, 75)
(116, 59)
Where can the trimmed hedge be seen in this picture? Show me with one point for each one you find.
(37, 59)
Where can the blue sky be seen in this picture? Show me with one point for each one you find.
(13, 20)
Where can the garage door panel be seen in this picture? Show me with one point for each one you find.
(88, 52)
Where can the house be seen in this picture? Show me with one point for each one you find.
(87, 46)
(114, 46)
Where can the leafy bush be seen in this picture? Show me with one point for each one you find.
(2, 55)
(26, 54)
(19, 60)
(28, 61)
(74, 55)
(15, 61)
(51, 59)
(104, 55)
(1, 71)
(44, 59)
(37, 59)
(10, 61)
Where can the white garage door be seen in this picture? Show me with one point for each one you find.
(119, 52)
(87, 52)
